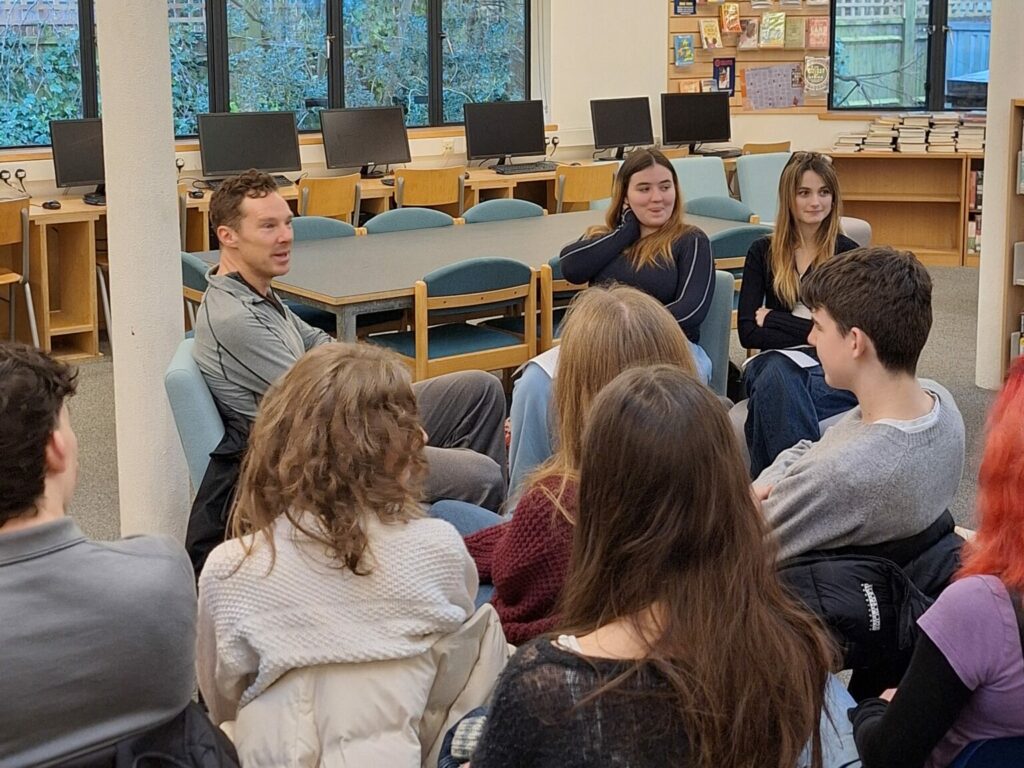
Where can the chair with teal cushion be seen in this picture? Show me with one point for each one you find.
(436, 347)
(701, 176)
(719, 208)
(729, 250)
(320, 228)
(715, 330)
(502, 210)
(403, 219)
(193, 282)
(200, 427)
(758, 177)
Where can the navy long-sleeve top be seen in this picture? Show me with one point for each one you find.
(685, 286)
(781, 327)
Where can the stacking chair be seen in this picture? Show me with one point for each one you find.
(715, 330)
(334, 197)
(758, 177)
(857, 230)
(14, 231)
(701, 177)
(431, 187)
(437, 346)
(320, 228)
(502, 210)
(721, 208)
(403, 219)
(729, 249)
(200, 427)
(193, 283)
(583, 184)
(755, 148)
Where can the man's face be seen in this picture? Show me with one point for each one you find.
(834, 349)
(263, 238)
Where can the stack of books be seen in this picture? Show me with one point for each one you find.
(942, 137)
(912, 136)
(971, 134)
(881, 134)
(849, 142)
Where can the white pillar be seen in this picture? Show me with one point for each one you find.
(1006, 63)
(145, 268)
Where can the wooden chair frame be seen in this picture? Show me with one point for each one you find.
(14, 231)
(431, 187)
(334, 197)
(583, 183)
(548, 287)
(764, 148)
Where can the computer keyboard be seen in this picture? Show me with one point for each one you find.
(281, 181)
(719, 152)
(513, 168)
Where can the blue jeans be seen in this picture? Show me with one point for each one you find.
(468, 518)
(786, 403)
(533, 427)
(836, 730)
(702, 361)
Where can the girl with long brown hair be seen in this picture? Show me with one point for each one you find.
(607, 330)
(645, 243)
(965, 682)
(333, 563)
(678, 645)
(787, 396)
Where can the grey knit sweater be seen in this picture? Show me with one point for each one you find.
(865, 483)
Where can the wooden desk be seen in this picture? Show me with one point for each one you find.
(355, 275)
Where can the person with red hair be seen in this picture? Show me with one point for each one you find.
(965, 682)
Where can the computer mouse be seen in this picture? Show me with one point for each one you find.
(52, 205)
(388, 181)
(195, 194)
(573, 163)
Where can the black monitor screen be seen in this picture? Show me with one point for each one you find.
(500, 128)
(690, 118)
(77, 151)
(365, 136)
(234, 142)
(621, 122)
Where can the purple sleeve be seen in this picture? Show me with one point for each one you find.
(971, 624)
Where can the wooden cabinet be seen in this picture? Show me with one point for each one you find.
(913, 201)
(1014, 293)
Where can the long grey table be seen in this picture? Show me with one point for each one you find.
(355, 275)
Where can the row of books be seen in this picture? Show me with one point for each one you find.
(689, 7)
(942, 132)
(772, 30)
(974, 234)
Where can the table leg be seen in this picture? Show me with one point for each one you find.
(346, 323)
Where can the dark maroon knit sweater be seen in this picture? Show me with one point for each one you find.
(526, 559)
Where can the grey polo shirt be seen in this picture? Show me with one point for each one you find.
(97, 640)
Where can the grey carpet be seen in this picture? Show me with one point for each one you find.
(948, 358)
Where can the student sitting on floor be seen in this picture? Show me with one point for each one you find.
(97, 637)
(890, 468)
(606, 331)
(678, 646)
(333, 610)
(965, 682)
(786, 400)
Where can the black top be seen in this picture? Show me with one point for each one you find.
(536, 718)
(781, 328)
(685, 286)
(904, 733)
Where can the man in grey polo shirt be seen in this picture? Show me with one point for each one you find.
(97, 638)
(246, 339)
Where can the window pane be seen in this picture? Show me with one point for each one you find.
(190, 85)
(881, 54)
(39, 60)
(386, 56)
(277, 57)
(967, 42)
(484, 53)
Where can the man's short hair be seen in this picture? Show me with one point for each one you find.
(33, 387)
(226, 202)
(884, 292)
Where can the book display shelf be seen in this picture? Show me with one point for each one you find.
(1013, 280)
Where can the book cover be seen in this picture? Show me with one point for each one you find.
(789, 2)
(710, 34)
(760, 4)
(689, 86)
(817, 33)
(725, 75)
(730, 16)
(773, 29)
(683, 46)
(796, 31)
(816, 2)
(748, 37)
(685, 7)
(816, 73)
(709, 85)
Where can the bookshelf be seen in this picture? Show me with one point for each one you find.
(1013, 300)
(975, 195)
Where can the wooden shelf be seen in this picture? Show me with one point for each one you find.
(65, 330)
(897, 197)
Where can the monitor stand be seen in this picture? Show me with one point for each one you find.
(620, 154)
(97, 197)
(369, 171)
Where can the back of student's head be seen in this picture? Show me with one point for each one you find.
(669, 539)
(998, 546)
(885, 293)
(33, 388)
(336, 439)
(607, 330)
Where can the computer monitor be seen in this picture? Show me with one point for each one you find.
(233, 142)
(364, 137)
(78, 155)
(621, 123)
(504, 129)
(693, 118)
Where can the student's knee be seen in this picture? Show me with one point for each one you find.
(774, 377)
